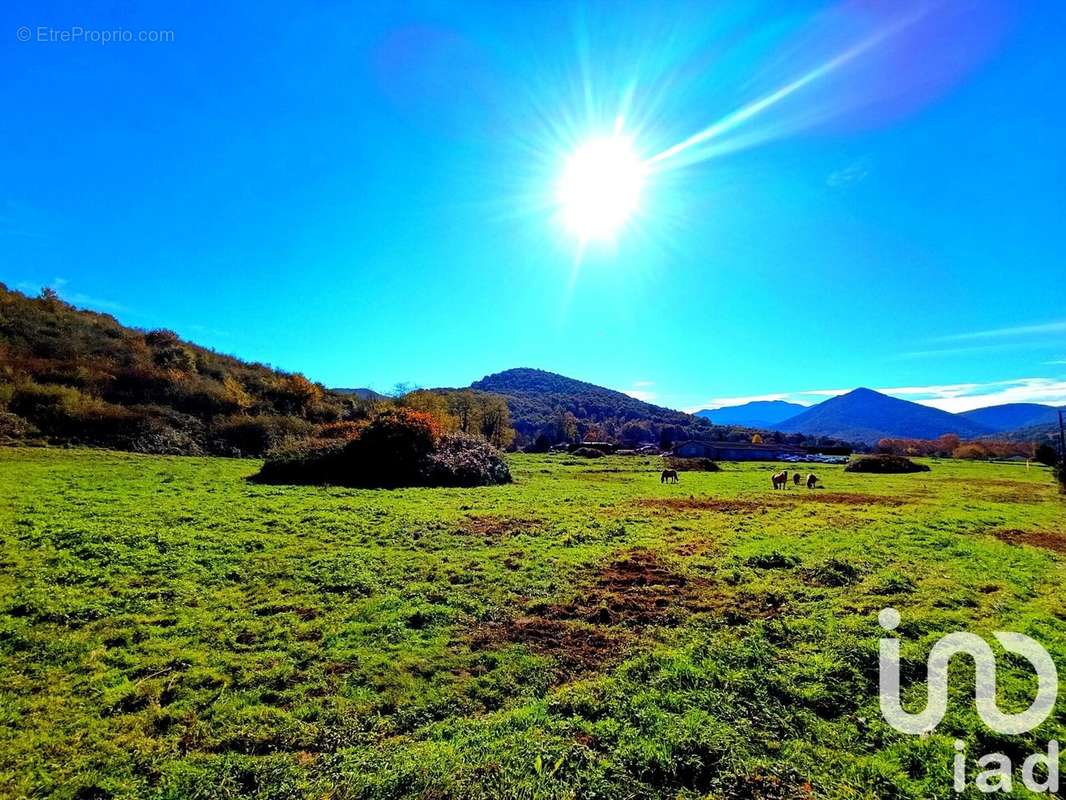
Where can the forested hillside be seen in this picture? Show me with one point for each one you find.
(71, 375)
(564, 409)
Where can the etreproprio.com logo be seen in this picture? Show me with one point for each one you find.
(997, 768)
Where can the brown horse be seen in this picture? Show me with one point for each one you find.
(795, 479)
(780, 479)
(668, 476)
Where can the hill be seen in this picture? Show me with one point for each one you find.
(77, 376)
(1013, 416)
(865, 415)
(560, 408)
(756, 414)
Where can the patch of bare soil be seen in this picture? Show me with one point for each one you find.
(1047, 540)
(577, 649)
(848, 498)
(612, 608)
(490, 526)
(785, 498)
(703, 504)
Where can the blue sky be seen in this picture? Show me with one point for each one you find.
(365, 192)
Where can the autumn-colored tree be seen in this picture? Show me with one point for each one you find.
(947, 444)
(236, 393)
(435, 404)
(496, 422)
(294, 394)
(756, 439)
(565, 426)
(973, 450)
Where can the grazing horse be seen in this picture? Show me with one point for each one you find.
(795, 478)
(668, 476)
(812, 480)
(780, 479)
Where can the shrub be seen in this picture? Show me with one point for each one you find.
(884, 464)
(588, 452)
(164, 431)
(254, 436)
(1046, 454)
(691, 464)
(391, 450)
(307, 461)
(398, 448)
(15, 428)
(464, 460)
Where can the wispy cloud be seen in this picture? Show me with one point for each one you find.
(1009, 332)
(851, 174)
(641, 390)
(80, 299)
(967, 396)
(940, 352)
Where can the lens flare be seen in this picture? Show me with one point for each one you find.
(600, 187)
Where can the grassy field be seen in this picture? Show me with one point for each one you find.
(168, 629)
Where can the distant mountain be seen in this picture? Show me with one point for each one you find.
(537, 399)
(362, 394)
(1012, 416)
(756, 414)
(866, 415)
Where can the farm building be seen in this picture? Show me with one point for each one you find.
(737, 451)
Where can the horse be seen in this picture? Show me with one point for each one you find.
(780, 479)
(668, 476)
(795, 478)
(812, 480)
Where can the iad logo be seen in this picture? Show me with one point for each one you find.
(925, 721)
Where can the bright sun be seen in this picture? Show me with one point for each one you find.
(600, 187)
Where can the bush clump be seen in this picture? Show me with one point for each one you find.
(464, 460)
(15, 428)
(399, 447)
(588, 452)
(885, 465)
(691, 464)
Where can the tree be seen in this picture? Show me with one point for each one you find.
(565, 426)
(947, 444)
(756, 439)
(1046, 454)
(432, 403)
(236, 393)
(635, 433)
(496, 421)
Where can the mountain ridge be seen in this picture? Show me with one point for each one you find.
(754, 414)
(867, 415)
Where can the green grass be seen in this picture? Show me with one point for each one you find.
(168, 629)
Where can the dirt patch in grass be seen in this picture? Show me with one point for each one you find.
(491, 526)
(788, 498)
(703, 504)
(634, 590)
(1048, 540)
(577, 649)
(848, 498)
(613, 607)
